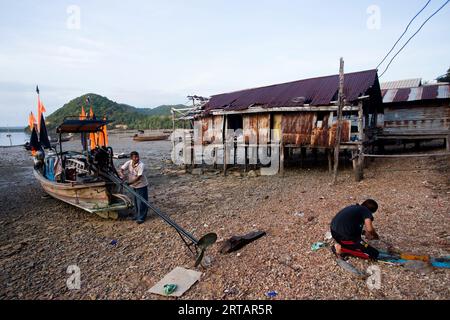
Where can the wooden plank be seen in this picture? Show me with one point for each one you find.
(308, 108)
(406, 155)
(411, 137)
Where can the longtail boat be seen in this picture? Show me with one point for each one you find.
(73, 177)
(141, 138)
(89, 180)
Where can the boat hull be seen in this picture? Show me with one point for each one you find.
(151, 138)
(91, 197)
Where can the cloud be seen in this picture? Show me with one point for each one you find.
(74, 57)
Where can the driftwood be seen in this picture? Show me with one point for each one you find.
(237, 242)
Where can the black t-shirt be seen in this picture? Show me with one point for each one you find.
(349, 222)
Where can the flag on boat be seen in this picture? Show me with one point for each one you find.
(83, 135)
(43, 135)
(41, 108)
(103, 136)
(82, 114)
(92, 136)
(34, 141)
(91, 114)
(31, 120)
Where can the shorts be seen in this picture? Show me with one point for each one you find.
(357, 247)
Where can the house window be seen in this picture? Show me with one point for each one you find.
(235, 121)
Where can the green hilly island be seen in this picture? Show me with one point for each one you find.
(121, 114)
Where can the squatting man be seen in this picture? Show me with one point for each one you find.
(347, 228)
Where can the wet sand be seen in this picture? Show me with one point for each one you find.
(40, 236)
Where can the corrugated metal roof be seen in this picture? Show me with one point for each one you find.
(315, 92)
(428, 92)
(400, 84)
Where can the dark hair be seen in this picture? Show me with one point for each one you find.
(371, 204)
(134, 153)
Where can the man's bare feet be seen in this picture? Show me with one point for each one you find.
(338, 248)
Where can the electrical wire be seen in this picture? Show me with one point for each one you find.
(420, 28)
(407, 27)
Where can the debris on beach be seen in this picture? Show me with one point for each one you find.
(271, 294)
(176, 282)
(317, 246)
(237, 242)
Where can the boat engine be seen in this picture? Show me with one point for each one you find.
(102, 159)
(39, 160)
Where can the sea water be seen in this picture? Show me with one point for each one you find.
(17, 138)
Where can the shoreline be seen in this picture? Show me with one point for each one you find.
(42, 236)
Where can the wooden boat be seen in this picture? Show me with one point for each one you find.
(66, 138)
(151, 138)
(95, 197)
(61, 139)
(76, 182)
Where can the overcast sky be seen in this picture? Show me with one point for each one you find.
(147, 53)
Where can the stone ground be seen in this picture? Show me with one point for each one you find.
(40, 236)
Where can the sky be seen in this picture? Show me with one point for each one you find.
(147, 53)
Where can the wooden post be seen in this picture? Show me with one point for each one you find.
(281, 155)
(302, 156)
(225, 138)
(339, 119)
(315, 152)
(355, 161)
(330, 160)
(359, 173)
(185, 150)
(245, 156)
(448, 143)
(173, 132)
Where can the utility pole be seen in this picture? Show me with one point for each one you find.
(339, 119)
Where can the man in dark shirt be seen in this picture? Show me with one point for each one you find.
(347, 227)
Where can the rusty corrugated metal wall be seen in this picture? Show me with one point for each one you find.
(417, 119)
(212, 128)
(301, 129)
(297, 128)
(256, 124)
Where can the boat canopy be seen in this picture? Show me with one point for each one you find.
(80, 126)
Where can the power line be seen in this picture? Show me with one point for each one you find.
(423, 24)
(407, 27)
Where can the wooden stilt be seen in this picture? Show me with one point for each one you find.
(315, 154)
(360, 169)
(354, 161)
(330, 160)
(361, 137)
(245, 157)
(225, 147)
(339, 120)
(302, 156)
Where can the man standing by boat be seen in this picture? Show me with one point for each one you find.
(138, 181)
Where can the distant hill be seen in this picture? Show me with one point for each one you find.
(12, 129)
(122, 114)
